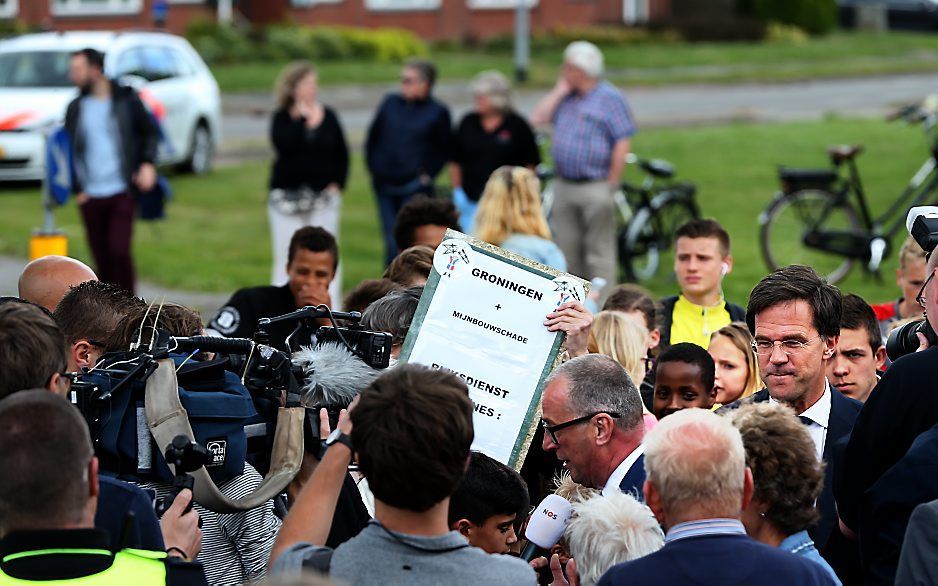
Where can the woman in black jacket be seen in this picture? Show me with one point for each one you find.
(310, 168)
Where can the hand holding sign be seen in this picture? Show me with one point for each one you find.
(574, 320)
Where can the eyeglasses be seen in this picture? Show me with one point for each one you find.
(920, 298)
(789, 347)
(409, 80)
(551, 430)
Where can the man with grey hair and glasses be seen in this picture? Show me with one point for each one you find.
(592, 420)
(592, 126)
(697, 486)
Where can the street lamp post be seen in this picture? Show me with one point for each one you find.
(522, 41)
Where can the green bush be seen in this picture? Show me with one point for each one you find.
(603, 36)
(219, 44)
(816, 17)
(222, 44)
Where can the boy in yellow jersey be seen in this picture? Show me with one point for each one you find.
(702, 258)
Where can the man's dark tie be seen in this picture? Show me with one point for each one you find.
(806, 420)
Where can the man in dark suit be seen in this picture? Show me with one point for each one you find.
(919, 561)
(900, 408)
(794, 317)
(888, 505)
(697, 486)
(592, 420)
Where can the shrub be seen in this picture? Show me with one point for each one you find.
(817, 17)
(219, 44)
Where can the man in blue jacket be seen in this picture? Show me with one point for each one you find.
(408, 143)
(697, 485)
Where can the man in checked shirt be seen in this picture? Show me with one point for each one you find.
(592, 127)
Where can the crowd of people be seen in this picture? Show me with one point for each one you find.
(696, 440)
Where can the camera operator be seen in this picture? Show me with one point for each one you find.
(87, 315)
(901, 407)
(47, 279)
(311, 265)
(393, 314)
(32, 354)
(48, 500)
(412, 476)
(235, 546)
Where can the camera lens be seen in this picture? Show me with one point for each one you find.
(903, 340)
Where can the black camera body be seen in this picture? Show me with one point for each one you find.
(903, 340)
(374, 348)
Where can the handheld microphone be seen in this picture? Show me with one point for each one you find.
(546, 526)
(332, 375)
(310, 312)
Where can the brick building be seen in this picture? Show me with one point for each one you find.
(430, 19)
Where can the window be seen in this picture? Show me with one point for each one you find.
(8, 8)
(80, 7)
(497, 4)
(151, 63)
(308, 3)
(402, 4)
(35, 69)
(181, 62)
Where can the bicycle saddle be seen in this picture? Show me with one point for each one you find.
(842, 152)
(658, 168)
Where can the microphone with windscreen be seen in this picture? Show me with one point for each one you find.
(546, 526)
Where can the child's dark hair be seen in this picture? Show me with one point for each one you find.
(691, 354)
(489, 488)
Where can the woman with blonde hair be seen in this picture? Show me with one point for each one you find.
(737, 370)
(510, 216)
(310, 166)
(625, 341)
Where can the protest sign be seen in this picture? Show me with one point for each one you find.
(482, 316)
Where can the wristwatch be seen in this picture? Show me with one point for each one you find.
(337, 437)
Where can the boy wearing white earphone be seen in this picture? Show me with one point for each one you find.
(702, 259)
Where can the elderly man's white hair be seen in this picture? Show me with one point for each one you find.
(585, 56)
(696, 462)
(605, 531)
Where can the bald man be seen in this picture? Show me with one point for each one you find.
(46, 280)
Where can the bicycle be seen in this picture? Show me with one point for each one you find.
(649, 214)
(816, 204)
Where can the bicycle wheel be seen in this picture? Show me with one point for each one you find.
(785, 222)
(643, 244)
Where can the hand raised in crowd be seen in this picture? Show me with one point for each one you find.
(572, 578)
(181, 533)
(575, 320)
(145, 177)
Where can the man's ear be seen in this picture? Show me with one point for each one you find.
(653, 500)
(728, 261)
(604, 428)
(93, 488)
(464, 526)
(83, 354)
(880, 357)
(748, 489)
(830, 346)
(56, 384)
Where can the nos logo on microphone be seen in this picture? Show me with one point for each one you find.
(549, 514)
(216, 451)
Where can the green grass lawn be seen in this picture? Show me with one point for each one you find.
(840, 54)
(216, 237)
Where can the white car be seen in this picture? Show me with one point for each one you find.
(173, 81)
